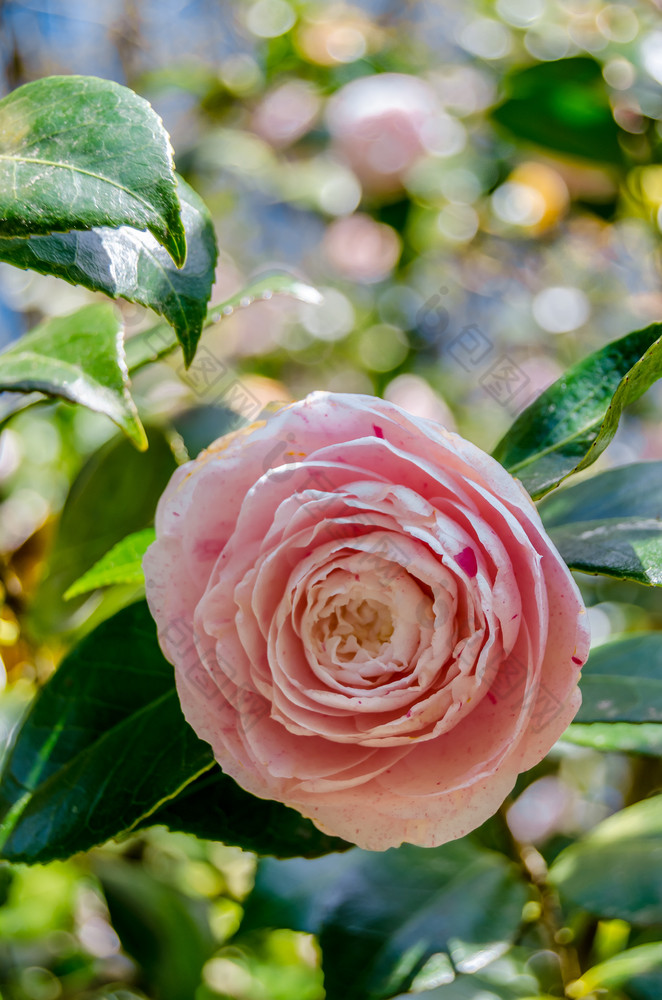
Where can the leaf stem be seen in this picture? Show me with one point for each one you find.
(550, 921)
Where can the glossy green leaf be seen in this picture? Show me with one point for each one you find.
(622, 681)
(132, 265)
(645, 986)
(150, 345)
(624, 548)
(621, 688)
(611, 524)
(163, 930)
(214, 807)
(78, 152)
(381, 916)
(123, 564)
(562, 105)
(80, 358)
(573, 421)
(105, 748)
(296, 893)
(90, 758)
(618, 970)
(104, 504)
(627, 846)
(627, 491)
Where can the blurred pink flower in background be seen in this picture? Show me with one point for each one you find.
(383, 124)
(416, 396)
(286, 113)
(361, 249)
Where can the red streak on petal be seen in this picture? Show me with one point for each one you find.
(378, 431)
(575, 659)
(492, 697)
(466, 560)
(208, 548)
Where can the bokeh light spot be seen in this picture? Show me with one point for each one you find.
(560, 309)
(270, 18)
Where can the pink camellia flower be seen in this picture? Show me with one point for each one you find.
(366, 618)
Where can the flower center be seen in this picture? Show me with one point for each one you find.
(359, 624)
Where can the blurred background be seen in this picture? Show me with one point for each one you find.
(476, 189)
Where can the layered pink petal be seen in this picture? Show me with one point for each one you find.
(366, 618)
